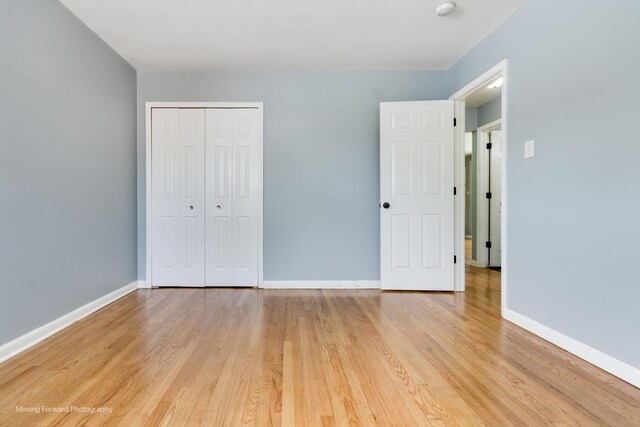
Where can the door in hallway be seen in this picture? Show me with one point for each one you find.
(495, 203)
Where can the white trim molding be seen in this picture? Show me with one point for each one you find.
(28, 340)
(602, 360)
(321, 284)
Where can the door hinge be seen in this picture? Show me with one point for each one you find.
(489, 195)
(455, 191)
(489, 145)
(455, 259)
(488, 245)
(455, 121)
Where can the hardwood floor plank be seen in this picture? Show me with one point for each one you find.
(288, 390)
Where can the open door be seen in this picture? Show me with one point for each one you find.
(495, 203)
(416, 189)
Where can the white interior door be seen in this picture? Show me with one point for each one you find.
(178, 202)
(234, 182)
(416, 188)
(495, 203)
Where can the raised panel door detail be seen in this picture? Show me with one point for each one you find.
(190, 172)
(400, 121)
(168, 173)
(221, 128)
(242, 172)
(244, 127)
(400, 241)
(431, 241)
(221, 171)
(189, 127)
(169, 127)
(401, 170)
(166, 258)
(431, 120)
(432, 167)
(242, 246)
(222, 242)
(190, 243)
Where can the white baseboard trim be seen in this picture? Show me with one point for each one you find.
(602, 360)
(473, 263)
(28, 340)
(142, 284)
(321, 284)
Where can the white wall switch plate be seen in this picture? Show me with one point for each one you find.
(528, 149)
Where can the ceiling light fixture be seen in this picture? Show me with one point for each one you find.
(496, 83)
(446, 9)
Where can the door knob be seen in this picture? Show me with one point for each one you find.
(191, 207)
(386, 205)
(218, 207)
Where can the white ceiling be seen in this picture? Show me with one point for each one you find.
(290, 34)
(482, 96)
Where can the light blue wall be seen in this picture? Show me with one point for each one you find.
(573, 209)
(470, 119)
(67, 166)
(321, 161)
(489, 112)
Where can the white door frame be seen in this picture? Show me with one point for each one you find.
(482, 178)
(459, 109)
(148, 106)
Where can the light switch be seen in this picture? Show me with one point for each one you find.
(528, 149)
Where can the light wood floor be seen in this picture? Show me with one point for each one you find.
(233, 357)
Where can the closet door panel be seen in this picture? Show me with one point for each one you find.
(177, 162)
(164, 197)
(192, 194)
(219, 226)
(247, 179)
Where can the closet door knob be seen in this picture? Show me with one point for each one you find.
(386, 205)
(191, 207)
(218, 206)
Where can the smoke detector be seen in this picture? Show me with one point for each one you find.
(446, 9)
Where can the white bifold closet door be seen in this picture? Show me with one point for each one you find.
(178, 197)
(234, 179)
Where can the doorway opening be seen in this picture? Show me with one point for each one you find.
(480, 171)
